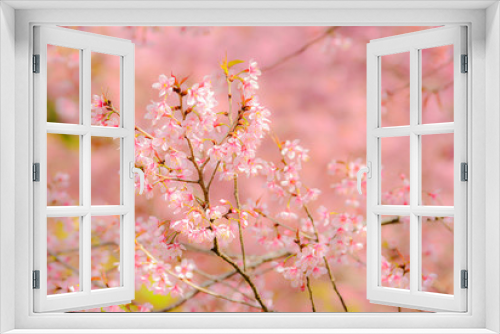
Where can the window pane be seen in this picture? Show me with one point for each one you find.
(63, 169)
(395, 243)
(105, 171)
(105, 252)
(395, 89)
(105, 89)
(63, 255)
(437, 84)
(395, 170)
(437, 169)
(437, 254)
(63, 84)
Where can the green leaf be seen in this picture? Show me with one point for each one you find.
(234, 62)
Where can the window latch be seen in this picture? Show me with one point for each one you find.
(361, 171)
(139, 171)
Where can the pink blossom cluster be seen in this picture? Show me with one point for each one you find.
(393, 275)
(192, 138)
(103, 113)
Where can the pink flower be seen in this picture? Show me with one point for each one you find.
(174, 250)
(185, 269)
(201, 235)
(156, 111)
(176, 290)
(294, 275)
(98, 101)
(253, 70)
(224, 232)
(165, 84)
(287, 215)
(248, 86)
(216, 212)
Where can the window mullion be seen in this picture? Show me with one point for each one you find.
(85, 236)
(414, 169)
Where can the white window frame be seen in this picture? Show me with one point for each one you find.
(412, 44)
(483, 21)
(86, 44)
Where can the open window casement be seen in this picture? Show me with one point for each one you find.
(413, 132)
(58, 220)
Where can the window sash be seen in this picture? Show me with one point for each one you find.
(86, 297)
(413, 43)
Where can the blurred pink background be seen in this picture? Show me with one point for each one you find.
(317, 96)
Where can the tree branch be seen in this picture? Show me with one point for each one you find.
(191, 284)
(218, 279)
(206, 275)
(327, 265)
(277, 222)
(247, 278)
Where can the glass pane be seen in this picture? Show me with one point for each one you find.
(437, 84)
(395, 86)
(63, 84)
(105, 171)
(395, 243)
(395, 171)
(105, 89)
(437, 254)
(105, 252)
(437, 169)
(63, 169)
(63, 255)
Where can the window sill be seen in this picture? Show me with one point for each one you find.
(248, 331)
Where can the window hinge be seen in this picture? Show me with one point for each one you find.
(36, 279)
(464, 279)
(464, 172)
(36, 172)
(36, 63)
(465, 64)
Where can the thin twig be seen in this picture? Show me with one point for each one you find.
(213, 175)
(146, 134)
(327, 265)
(191, 284)
(332, 280)
(206, 275)
(277, 222)
(396, 220)
(218, 279)
(73, 269)
(309, 290)
(247, 278)
(175, 179)
(240, 229)
(63, 263)
(302, 49)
